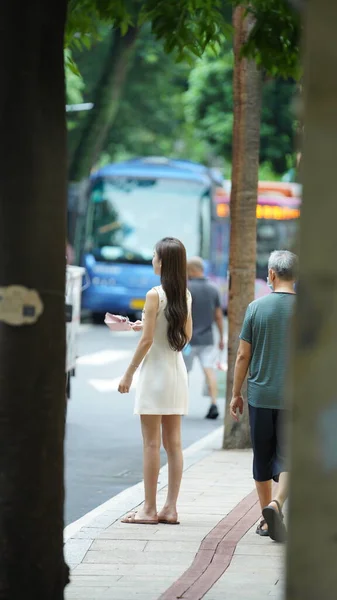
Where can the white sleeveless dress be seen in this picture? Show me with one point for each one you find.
(162, 387)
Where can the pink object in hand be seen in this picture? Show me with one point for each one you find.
(221, 365)
(117, 322)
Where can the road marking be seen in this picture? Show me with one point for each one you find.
(103, 357)
(110, 385)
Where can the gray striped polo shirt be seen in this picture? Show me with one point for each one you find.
(266, 327)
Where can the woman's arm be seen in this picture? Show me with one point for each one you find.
(189, 322)
(189, 327)
(145, 342)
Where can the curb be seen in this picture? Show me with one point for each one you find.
(110, 511)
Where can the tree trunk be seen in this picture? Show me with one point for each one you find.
(247, 86)
(99, 120)
(32, 357)
(312, 548)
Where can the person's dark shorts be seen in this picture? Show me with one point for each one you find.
(267, 430)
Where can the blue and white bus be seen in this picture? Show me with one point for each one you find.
(131, 206)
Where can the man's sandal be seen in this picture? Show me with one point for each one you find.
(275, 521)
(260, 531)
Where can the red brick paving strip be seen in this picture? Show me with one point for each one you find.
(215, 553)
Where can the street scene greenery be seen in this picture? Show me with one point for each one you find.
(212, 81)
(187, 109)
(180, 109)
(155, 90)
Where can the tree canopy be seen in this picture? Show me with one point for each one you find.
(185, 25)
(186, 30)
(180, 109)
(189, 26)
(274, 40)
(209, 106)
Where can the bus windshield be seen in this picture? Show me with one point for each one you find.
(128, 216)
(273, 235)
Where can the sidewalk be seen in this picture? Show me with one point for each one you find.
(214, 553)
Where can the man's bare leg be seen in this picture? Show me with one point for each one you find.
(271, 512)
(281, 492)
(264, 491)
(211, 381)
(211, 384)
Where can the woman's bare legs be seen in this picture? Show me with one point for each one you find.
(151, 456)
(171, 428)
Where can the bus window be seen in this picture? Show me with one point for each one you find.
(273, 235)
(130, 217)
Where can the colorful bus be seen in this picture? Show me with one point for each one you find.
(277, 213)
(132, 205)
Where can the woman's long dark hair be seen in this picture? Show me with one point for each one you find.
(172, 254)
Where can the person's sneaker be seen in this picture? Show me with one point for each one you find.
(213, 412)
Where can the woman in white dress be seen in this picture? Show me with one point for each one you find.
(162, 390)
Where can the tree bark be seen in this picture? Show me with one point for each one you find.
(32, 357)
(247, 87)
(312, 547)
(99, 120)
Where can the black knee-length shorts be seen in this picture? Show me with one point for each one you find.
(267, 430)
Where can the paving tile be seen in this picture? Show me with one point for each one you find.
(174, 546)
(89, 593)
(239, 594)
(139, 587)
(260, 550)
(75, 550)
(192, 519)
(128, 533)
(239, 591)
(87, 533)
(94, 580)
(104, 521)
(251, 578)
(250, 563)
(128, 595)
(104, 569)
(140, 580)
(164, 532)
(129, 556)
(114, 545)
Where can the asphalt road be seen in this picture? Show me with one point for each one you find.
(103, 441)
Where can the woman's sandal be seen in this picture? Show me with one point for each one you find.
(130, 519)
(169, 522)
(275, 521)
(260, 531)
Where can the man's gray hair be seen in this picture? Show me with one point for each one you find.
(285, 264)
